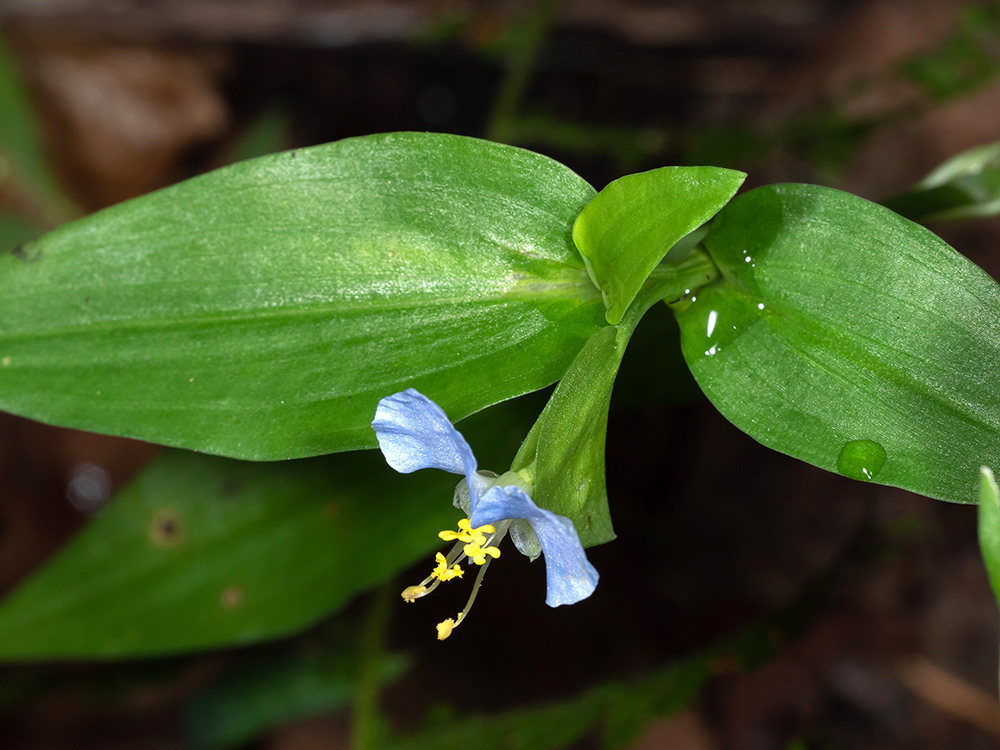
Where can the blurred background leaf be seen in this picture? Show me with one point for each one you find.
(202, 552)
(962, 63)
(965, 186)
(989, 526)
(15, 232)
(266, 693)
(21, 158)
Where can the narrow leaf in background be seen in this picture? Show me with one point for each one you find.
(262, 310)
(989, 526)
(263, 695)
(851, 338)
(627, 229)
(14, 232)
(21, 157)
(965, 186)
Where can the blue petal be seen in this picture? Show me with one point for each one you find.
(569, 575)
(415, 433)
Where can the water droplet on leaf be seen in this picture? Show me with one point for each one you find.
(861, 459)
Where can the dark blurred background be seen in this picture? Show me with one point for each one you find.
(897, 647)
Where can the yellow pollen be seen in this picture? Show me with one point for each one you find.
(442, 572)
(412, 593)
(444, 628)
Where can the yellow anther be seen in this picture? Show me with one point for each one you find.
(467, 534)
(444, 628)
(478, 554)
(442, 572)
(412, 593)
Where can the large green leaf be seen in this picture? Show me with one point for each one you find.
(201, 551)
(627, 229)
(262, 310)
(851, 338)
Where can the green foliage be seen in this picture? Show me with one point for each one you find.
(629, 147)
(837, 324)
(965, 62)
(564, 453)
(21, 157)
(965, 186)
(619, 710)
(262, 310)
(627, 229)
(14, 232)
(267, 693)
(265, 135)
(989, 526)
(202, 551)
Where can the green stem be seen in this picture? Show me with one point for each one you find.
(671, 281)
(371, 649)
(522, 65)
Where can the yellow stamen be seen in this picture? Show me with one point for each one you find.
(474, 544)
(478, 554)
(442, 572)
(468, 534)
(444, 628)
(474, 539)
(412, 593)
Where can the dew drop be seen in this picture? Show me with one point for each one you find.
(861, 459)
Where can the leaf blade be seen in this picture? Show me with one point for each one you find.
(627, 229)
(223, 552)
(839, 322)
(261, 311)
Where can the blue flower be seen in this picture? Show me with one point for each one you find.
(415, 433)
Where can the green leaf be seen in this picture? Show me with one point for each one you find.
(20, 151)
(989, 526)
(626, 230)
(568, 440)
(201, 552)
(265, 694)
(621, 710)
(262, 310)
(851, 338)
(965, 186)
(267, 134)
(14, 232)
(964, 62)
